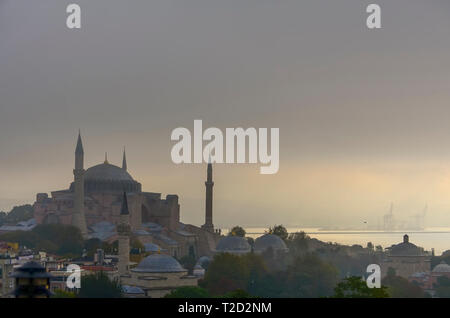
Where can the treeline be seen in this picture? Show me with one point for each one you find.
(309, 269)
(59, 239)
(17, 214)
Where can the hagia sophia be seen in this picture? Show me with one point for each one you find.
(107, 203)
(93, 203)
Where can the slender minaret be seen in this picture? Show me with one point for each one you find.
(124, 160)
(78, 218)
(209, 199)
(123, 229)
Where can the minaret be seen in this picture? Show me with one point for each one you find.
(209, 199)
(78, 218)
(123, 229)
(124, 160)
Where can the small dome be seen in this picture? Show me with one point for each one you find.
(443, 267)
(107, 172)
(151, 247)
(233, 244)
(202, 260)
(159, 263)
(266, 241)
(132, 290)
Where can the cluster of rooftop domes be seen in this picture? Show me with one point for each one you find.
(233, 244)
(269, 241)
(159, 263)
(239, 245)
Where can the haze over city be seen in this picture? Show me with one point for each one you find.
(363, 115)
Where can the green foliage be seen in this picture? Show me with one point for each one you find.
(92, 245)
(355, 287)
(238, 293)
(279, 230)
(99, 285)
(17, 214)
(188, 292)
(297, 242)
(399, 287)
(228, 272)
(310, 276)
(64, 240)
(188, 262)
(237, 231)
(136, 244)
(391, 272)
(63, 294)
(442, 287)
(110, 248)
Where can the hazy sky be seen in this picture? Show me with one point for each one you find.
(364, 115)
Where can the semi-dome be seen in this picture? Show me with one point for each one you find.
(443, 267)
(159, 263)
(267, 241)
(233, 244)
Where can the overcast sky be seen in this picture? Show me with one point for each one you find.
(364, 115)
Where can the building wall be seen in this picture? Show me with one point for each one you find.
(106, 207)
(405, 266)
(159, 284)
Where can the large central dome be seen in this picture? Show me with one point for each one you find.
(107, 172)
(107, 178)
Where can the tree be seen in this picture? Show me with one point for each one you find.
(310, 276)
(68, 238)
(298, 242)
(17, 214)
(92, 245)
(399, 287)
(188, 262)
(355, 287)
(391, 271)
(60, 239)
(136, 244)
(99, 285)
(238, 293)
(442, 287)
(188, 292)
(228, 272)
(279, 230)
(237, 231)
